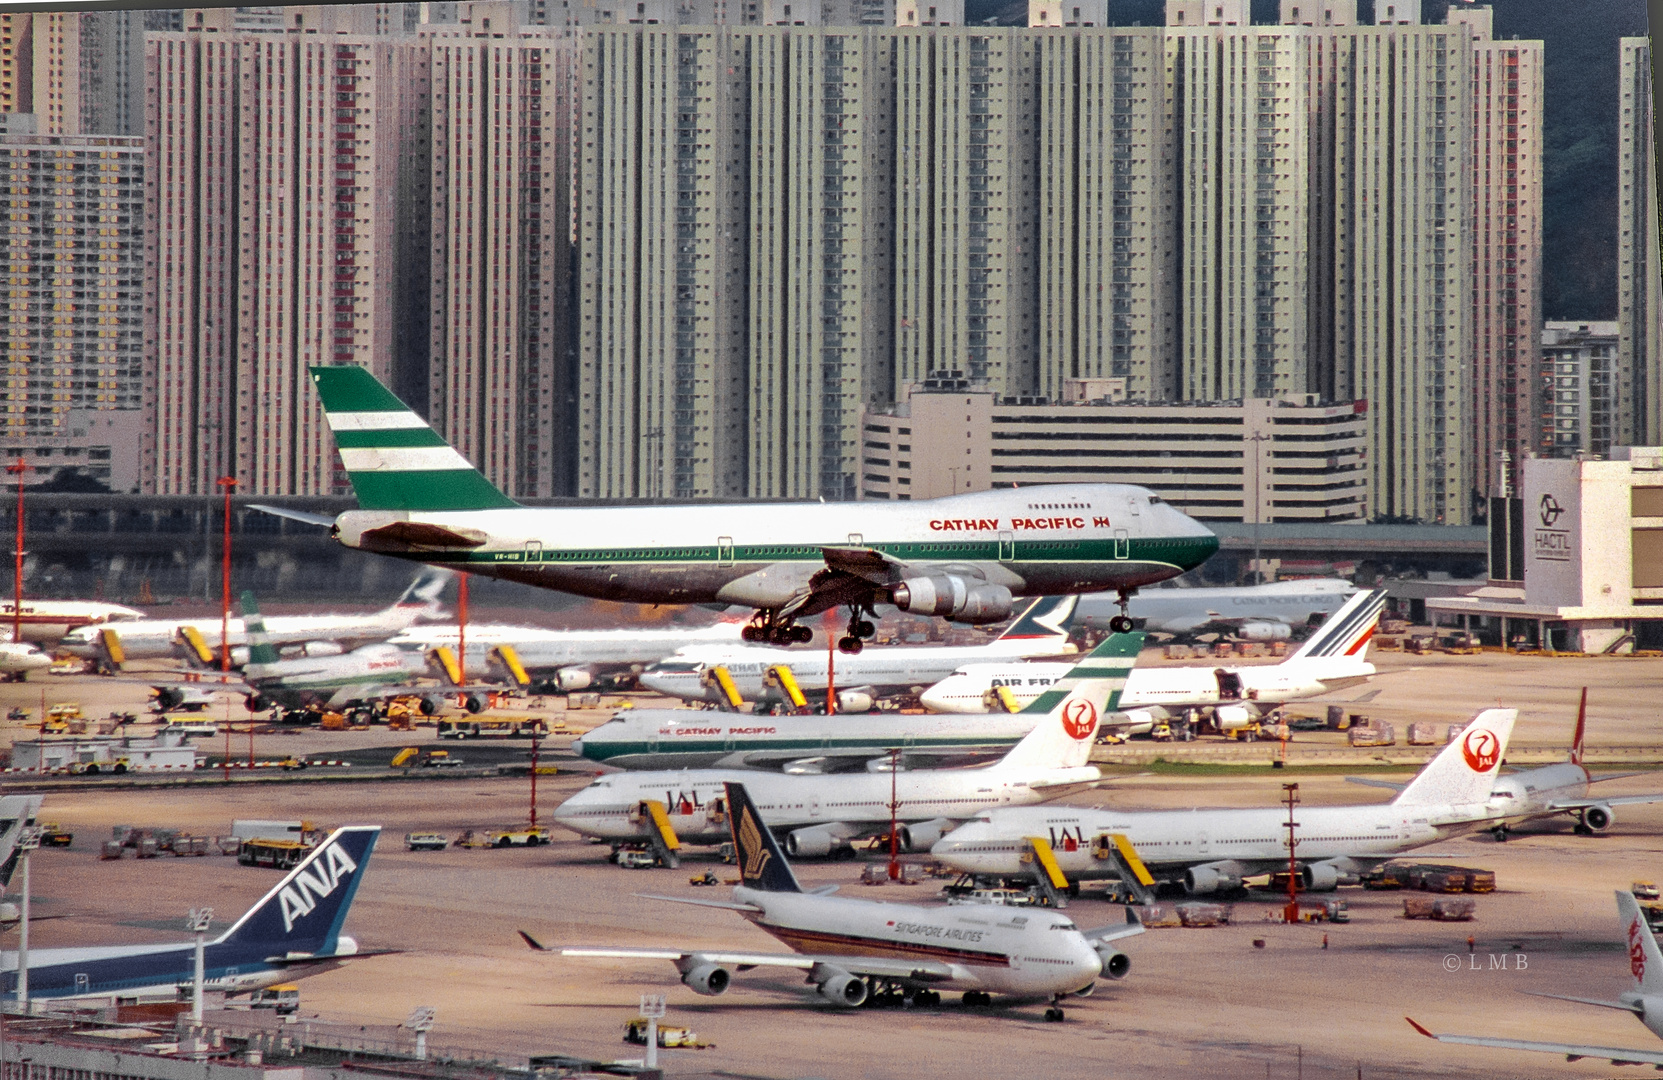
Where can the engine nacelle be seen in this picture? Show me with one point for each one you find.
(1320, 877)
(849, 701)
(1116, 964)
(922, 835)
(257, 703)
(1141, 721)
(707, 979)
(475, 703)
(321, 648)
(1233, 717)
(239, 655)
(1205, 880)
(1264, 631)
(167, 698)
(574, 678)
(1598, 818)
(936, 594)
(985, 604)
(841, 988)
(431, 704)
(814, 842)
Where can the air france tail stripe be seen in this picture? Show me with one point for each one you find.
(403, 459)
(1335, 639)
(373, 421)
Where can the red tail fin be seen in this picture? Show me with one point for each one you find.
(1581, 723)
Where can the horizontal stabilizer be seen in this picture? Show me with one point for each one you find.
(306, 516)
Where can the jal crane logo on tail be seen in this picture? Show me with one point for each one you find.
(1481, 749)
(1636, 951)
(1079, 718)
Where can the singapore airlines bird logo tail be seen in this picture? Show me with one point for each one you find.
(762, 864)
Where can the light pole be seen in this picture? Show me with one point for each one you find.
(26, 844)
(1290, 914)
(1257, 439)
(652, 1009)
(228, 484)
(18, 468)
(197, 922)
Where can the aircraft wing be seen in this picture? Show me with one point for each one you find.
(1130, 928)
(1616, 800)
(1572, 1051)
(864, 562)
(883, 967)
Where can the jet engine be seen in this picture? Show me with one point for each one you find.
(1320, 877)
(1116, 964)
(841, 988)
(954, 597)
(1597, 818)
(475, 703)
(257, 702)
(168, 699)
(239, 655)
(1264, 631)
(849, 701)
(707, 979)
(814, 842)
(1204, 880)
(922, 835)
(574, 678)
(1140, 721)
(1233, 717)
(321, 648)
(431, 704)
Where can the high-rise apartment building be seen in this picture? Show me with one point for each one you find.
(285, 220)
(1578, 361)
(1639, 374)
(71, 322)
(78, 72)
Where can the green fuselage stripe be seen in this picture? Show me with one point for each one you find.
(605, 751)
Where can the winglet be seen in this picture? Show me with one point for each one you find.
(536, 945)
(1420, 1029)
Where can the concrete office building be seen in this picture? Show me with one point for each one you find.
(78, 72)
(1639, 376)
(1579, 407)
(71, 325)
(285, 226)
(1268, 460)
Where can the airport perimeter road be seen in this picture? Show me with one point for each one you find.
(1198, 1002)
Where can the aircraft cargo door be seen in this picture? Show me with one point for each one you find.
(1122, 544)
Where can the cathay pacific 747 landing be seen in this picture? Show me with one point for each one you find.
(964, 557)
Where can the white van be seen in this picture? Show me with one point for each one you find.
(198, 729)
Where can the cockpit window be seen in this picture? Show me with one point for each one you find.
(1154, 500)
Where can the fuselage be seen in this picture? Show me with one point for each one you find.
(1256, 838)
(1532, 792)
(543, 651)
(49, 620)
(149, 971)
(15, 658)
(149, 639)
(966, 689)
(1178, 611)
(609, 807)
(886, 670)
(1034, 541)
(372, 665)
(1015, 951)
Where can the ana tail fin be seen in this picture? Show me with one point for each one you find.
(1466, 769)
(17, 812)
(260, 650)
(1645, 963)
(394, 459)
(762, 864)
(1346, 632)
(1046, 617)
(1072, 707)
(303, 913)
(1581, 726)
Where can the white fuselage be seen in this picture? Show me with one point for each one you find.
(150, 639)
(16, 658)
(372, 665)
(1256, 839)
(1180, 611)
(541, 650)
(889, 669)
(966, 689)
(1532, 792)
(609, 807)
(1002, 950)
(48, 620)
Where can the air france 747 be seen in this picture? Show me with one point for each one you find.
(964, 557)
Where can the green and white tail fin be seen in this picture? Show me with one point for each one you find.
(260, 650)
(1074, 706)
(395, 460)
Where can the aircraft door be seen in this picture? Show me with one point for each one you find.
(82, 984)
(1122, 544)
(1007, 547)
(814, 806)
(1229, 685)
(1201, 843)
(724, 551)
(856, 540)
(533, 551)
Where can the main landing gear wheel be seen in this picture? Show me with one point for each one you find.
(1053, 1015)
(1122, 623)
(977, 997)
(1499, 833)
(850, 644)
(854, 639)
(767, 627)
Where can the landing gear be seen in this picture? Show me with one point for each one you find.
(854, 639)
(1500, 833)
(977, 997)
(767, 626)
(1053, 1015)
(1122, 623)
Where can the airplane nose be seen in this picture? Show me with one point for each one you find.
(577, 746)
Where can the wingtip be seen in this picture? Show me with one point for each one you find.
(531, 941)
(1420, 1029)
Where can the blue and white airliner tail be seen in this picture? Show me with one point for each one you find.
(294, 931)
